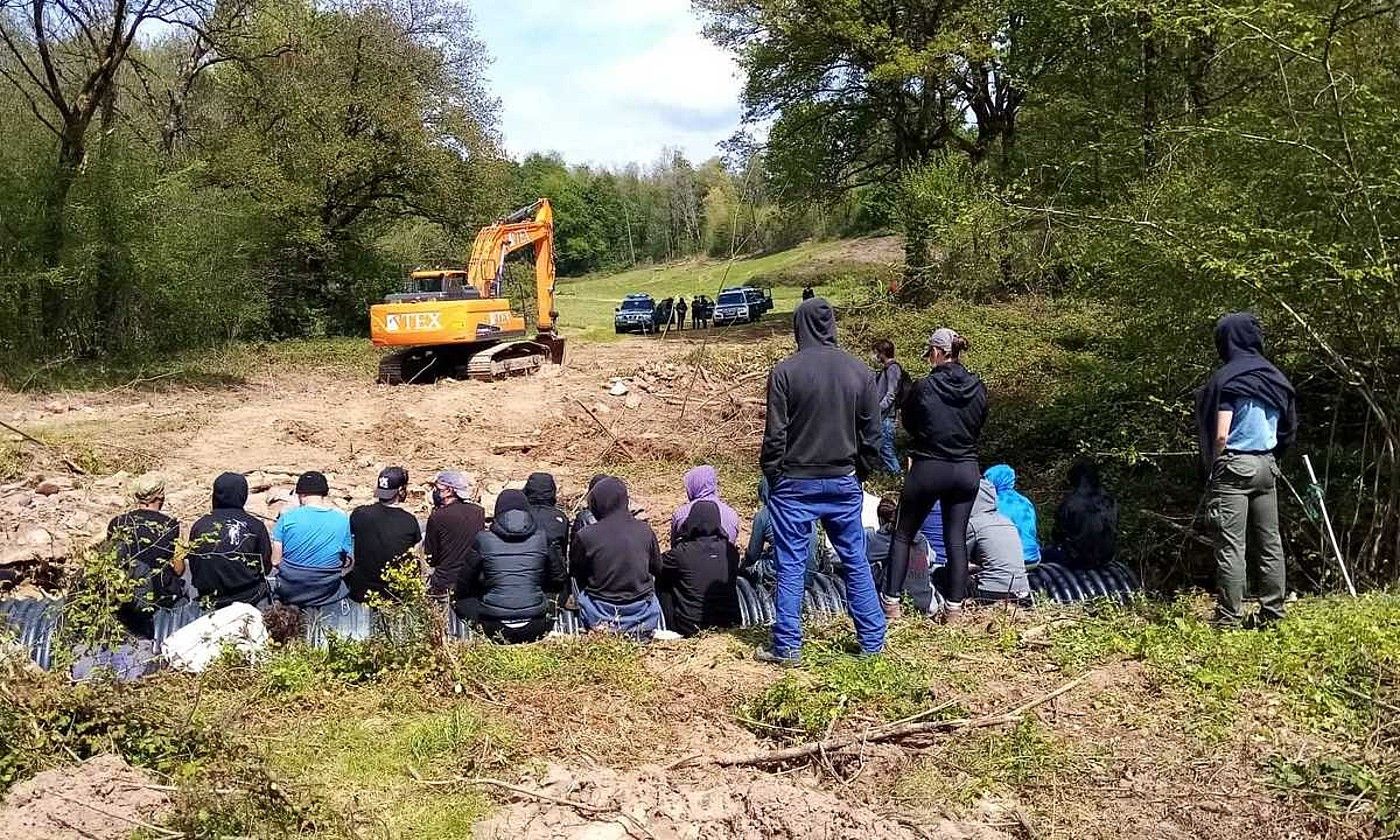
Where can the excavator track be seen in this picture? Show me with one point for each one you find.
(422, 365)
(511, 358)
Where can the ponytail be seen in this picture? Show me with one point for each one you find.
(960, 346)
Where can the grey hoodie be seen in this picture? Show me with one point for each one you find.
(823, 411)
(994, 544)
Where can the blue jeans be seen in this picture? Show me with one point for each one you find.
(887, 454)
(794, 505)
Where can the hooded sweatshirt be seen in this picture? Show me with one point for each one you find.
(230, 552)
(702, 485)
(543, 495)
(615, 559)
(1245, 374)
(508, 567)
(1086, 524)
(697, 574)
(944, 414)
(823, 416)
(1017, 508)
(994, 545)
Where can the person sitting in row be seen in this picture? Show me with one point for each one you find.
(230, 553)
(143, 540)
(994, 546)
(585, 516)
(696, 585)
(702, 485)
(614, 561)
(1085, 535)
(507, 572)
(932, 532)
(1017, 508)
(543, 494)
(452, 526)
(877, 550)
(759, 556)
(312, 549)
(383, 533)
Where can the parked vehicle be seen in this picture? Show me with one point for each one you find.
(741, 305)
(634, 315)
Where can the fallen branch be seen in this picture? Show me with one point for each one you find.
(609, 432)
(77, 470)
(162, 832)
(582, 807)
(894, 732)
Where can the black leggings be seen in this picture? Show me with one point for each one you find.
(955, 484)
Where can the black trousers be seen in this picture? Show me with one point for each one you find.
(469, 609)
(955, 485)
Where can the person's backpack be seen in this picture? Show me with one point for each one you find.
(903, 389)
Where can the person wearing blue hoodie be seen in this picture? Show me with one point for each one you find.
(1017, 508)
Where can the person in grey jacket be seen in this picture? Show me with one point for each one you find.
(888, 376)
(994, 545)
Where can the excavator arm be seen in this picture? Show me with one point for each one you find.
(531, 226)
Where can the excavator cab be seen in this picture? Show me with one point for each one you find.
(435, 284)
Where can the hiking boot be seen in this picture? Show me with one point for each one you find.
(893, 609)
(953, 616)
(768, 657)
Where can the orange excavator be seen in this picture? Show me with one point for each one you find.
(455, 322)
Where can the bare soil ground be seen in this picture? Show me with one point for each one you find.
(104, 798)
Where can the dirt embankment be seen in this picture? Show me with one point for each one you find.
(104, 798)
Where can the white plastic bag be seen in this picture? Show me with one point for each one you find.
(196, 645)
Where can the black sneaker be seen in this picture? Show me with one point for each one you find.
(768, 657)
(1260, 621)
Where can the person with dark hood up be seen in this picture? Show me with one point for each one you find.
(615, 561)
(821, 437)
(994, 545)
(144, 542)
(451, 529)
(1085, 534)
(890, 379)
(585, 516)
(1246, 415)
(1017, 508)
(696, 585)
(944, 415)
(543, 493)
(507, 573)
(384, 533)
(702, 485)
(312, 548)
(230, 552)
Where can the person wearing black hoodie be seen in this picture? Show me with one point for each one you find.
(614, 561)
(506, 574)
(943, 415)
(230, 554)
(585, 516)
(1246, 415)
(543, 494)
(696, 585)
(821, 437)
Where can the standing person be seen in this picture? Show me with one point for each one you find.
(383, 532)
(614, 561)
(680, 313)
(1017, 508)
(702, 485)
(1085, 534)
(696, 584)
(821, 436)
(506, 574)
(144, 542)
(807, 292)
(890, 382)
(452, 527)
(697, 312)
(311, 547)
(1246, 415)
(230, 552)
(543, 495)
(944, 416)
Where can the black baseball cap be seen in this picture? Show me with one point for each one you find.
(313, 484)
(391, 481)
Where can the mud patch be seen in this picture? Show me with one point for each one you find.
(605, 804)
(103, 797)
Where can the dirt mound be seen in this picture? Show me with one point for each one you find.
(605, 804)
(103, 797)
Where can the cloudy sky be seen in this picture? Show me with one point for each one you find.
(607, 81)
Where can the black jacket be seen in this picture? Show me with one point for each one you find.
(230, 553)
(615, 558)
(1245, 372)
(945, 413)
(823, 413)
(508, 566)
(543, 494)
(1086, 523)
(144, 543)
(697, 577)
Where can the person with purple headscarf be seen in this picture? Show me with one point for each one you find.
(702, 485)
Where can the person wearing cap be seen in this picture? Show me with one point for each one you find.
(143, 540)
(820, 438)
(506, 574)
(943, 415)
(383, 533)
(452, 527)
(230, 551)
(311, 547)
